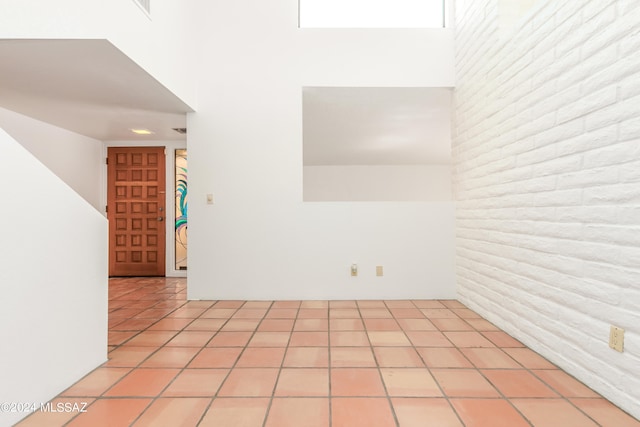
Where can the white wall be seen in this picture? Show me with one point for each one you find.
(399, 183)
(75, 159)
(547, 154)
(259, 240)
(162, 44)
(53, 279)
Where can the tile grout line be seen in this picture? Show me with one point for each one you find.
(502, 396)
(379, 369)
(329, 366)
(230, 369)
(444, 395)
(561, 396)
(183, 369)
(275, 384)
(153, 323)
(500, 393)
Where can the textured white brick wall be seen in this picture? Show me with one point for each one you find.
(547, 181)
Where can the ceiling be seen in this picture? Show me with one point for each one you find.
(88, 87)
(376, 126)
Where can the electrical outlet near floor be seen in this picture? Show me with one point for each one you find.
(616, 338)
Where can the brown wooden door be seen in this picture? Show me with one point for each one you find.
(136, 211)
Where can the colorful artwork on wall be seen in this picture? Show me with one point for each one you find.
(181, 209)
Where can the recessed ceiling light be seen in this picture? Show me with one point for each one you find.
(142, 131)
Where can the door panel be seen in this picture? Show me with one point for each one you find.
(136, 211)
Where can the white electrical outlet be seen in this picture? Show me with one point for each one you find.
(616, 338)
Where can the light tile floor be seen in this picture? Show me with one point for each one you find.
(422, 363)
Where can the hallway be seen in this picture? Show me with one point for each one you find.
(174, 363)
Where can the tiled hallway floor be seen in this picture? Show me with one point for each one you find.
(317, 363)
